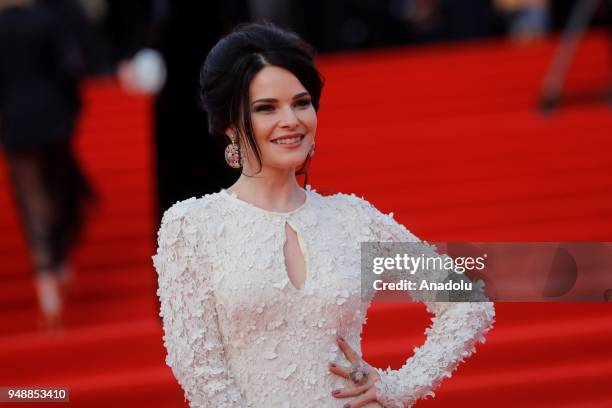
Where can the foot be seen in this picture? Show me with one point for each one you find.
(49, 299)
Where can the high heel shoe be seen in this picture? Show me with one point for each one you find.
(49, 300)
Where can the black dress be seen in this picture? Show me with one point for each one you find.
(39, 104)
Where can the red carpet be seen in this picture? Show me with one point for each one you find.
(446, 137)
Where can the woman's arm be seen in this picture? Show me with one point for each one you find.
(192, 338)
(455, 330)
(452, 337)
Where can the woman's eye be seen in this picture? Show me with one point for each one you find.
(261, 108)
(270, 108)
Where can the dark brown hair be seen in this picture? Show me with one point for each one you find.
(232, 64)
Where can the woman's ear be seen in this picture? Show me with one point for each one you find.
(230, 132)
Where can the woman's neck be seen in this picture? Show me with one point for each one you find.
(281, 193)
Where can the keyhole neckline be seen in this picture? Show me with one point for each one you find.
(302, 251)
(232, 195)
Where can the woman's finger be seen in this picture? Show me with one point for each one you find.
(350, 392)
(364, 399)
(336, 369)
(350, 354)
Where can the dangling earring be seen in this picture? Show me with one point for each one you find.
(312, 150)
(232, 153)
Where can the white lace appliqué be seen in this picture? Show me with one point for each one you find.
(239, 334)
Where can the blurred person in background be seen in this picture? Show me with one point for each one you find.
(527, 19)
(188, 160)
(40, 67)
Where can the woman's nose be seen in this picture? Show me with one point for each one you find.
(289, 118)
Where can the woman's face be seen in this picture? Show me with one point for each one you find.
(283, 117)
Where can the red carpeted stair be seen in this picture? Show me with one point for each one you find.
(446, 137)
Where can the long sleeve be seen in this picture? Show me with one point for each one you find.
(455, 330)
(192, 337)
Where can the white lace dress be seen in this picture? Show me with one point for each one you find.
(239, 334)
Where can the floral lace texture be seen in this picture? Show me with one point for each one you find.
(239, 334)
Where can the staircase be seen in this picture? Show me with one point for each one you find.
(444, 136)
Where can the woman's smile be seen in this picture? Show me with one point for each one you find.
(289, 142)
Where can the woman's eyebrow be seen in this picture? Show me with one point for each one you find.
(276, 100)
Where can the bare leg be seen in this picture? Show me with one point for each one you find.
(39, 217)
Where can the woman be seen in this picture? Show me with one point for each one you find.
(259, 284)
(40, 67)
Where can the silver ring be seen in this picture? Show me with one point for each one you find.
(359, 373)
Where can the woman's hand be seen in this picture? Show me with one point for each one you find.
(366, 392)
